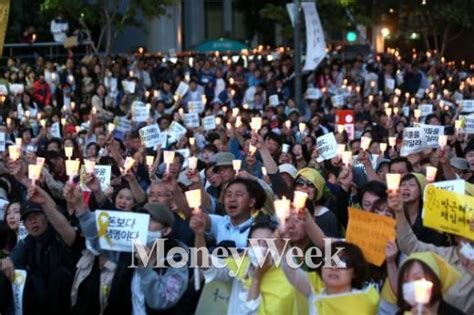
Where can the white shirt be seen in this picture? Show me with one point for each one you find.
(223, 230)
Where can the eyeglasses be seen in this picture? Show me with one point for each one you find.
(302, 182)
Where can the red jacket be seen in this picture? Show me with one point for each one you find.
(42, 93)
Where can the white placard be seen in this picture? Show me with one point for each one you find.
(209, 122)
(186, 153)
(390, 84)
(129, 86)
(326, 146)
(432, 134)
(467, 106)
(140, 112)
(18, 287)
(414, 141)
(103, 174)
(177, 130)
(16, 88)
(122, 124)
(3, 89)
(425, 109)
(457, 186)
(195, 107)
(118, 229)
(274, 101)
(182, 89)
(150, 136)
(191, 120)
(338, 100)
(468, 122)
(406, 111)
(55, 130)
(2, 142)
(315, 43)
(420, 93)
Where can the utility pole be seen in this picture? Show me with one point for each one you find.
(297, 56)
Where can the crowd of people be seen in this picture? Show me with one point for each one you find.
(94, 105)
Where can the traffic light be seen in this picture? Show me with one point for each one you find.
(351, 36)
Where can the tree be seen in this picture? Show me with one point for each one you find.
(110, 17)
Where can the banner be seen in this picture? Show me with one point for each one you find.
(371, 232)
(315, 43)
(4, 12)
(118, 229)
(448, 212)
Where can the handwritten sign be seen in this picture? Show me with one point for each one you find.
(273, 99)
(468, 122)
(18, 287)
(195, 107)
(55, 130)
(448, 212)
(432, 134)
(209, 122)
(129, 86)
(414, 141)
(191, 120)
(140, 112)
(326, 146)
(118, 229)
(177, 130)
(122, 124)
(457, 186)
(103, 174)
(182, 89)
(371, 232)
(467, 106)
(214, 298)
(150, 136)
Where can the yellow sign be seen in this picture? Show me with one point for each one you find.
(4, 11)
(448, 212)
(370, 232)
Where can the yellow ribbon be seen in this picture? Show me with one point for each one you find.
(103, 225)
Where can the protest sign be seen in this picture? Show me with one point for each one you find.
(3, 89)
(140, 112)
(337, 100)
(370, 232)
(468, 122)
(432, 134)
(209, 122)
(103, 174)
(448, 212)
(18, 286)
(389, 84)
(406, 111)
(191, 120)
(195, 107)
(129, 86)
(326, 146)
(186, 153)
(420, 93)
(176, 130)
(2, 142)
(150, 136)
(122, 124)
(457, 186)
(118, 229)
(55, 130)
(182, 89)
(214, 298)
(273, 99)
(16, 88)
(467, 106)
(425, 109)
(414, 141)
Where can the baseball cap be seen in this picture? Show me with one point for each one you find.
(160, 213)
(289, 169)
(459, 163)
(29, 207)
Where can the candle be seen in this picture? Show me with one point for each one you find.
(40, 161)
(392, 141)
(89, 166)
(168, 157)
(14, 151)
(238, 122)
(252, 149)
(34, 172)
(340, 149)
(417, 113)
(340, 128)
(383, 147)
(193, 197)
(285, 148)
(9, 121)
(256, 123)
(224, 109)
(68, 152)
(442, 141)
(63, 121)
(73, 105)
(128, 164)
(393, 181)
(218, 121)
(388, 111)
(423, 291)
(302, 127)
(371, 98)
(365, 143)
(245, 106)
(347, 158)
(156, 94)
(395, 110)
(72, 168)
(431, 173)
(299, 200)
(236, 164)
(235, 111)
(18, 142)
(264, 171)
(27, 113)
(458, 124)
(110, 127)
(288, 124)
(192, 141)
(150, 159)
(192, 163)
(43, 123)
(282, 210)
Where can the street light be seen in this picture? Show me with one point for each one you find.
(385, 32)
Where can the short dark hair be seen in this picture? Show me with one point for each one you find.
(375, 187)
(401, 159)
(253, 188)
(355, 259)
(275, 137)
